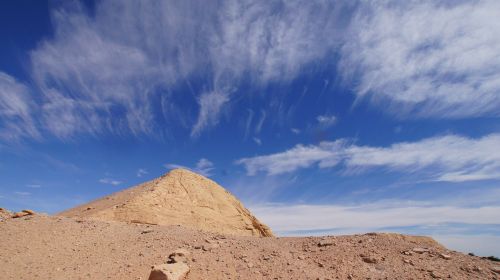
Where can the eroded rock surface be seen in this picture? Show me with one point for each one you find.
(180, 197)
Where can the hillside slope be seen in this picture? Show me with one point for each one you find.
(180, 197)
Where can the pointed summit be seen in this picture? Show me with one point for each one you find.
(180, 197)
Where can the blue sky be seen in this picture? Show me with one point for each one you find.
(322, 117)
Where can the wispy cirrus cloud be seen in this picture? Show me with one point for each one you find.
(304, 217)
(449, 158)
(426, 58)
(22, 193)
(203, 167)
(326, 120)
(16, 110)
(95, 79)
(110, 181)
(141, 172)
(211, 104)
(447, 223)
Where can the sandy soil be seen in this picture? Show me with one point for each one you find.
(51, 247)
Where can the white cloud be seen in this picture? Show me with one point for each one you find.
(257, 141)
(449, 158)
(326, 120)
(23, 193)
(203, 167)
(94, 79)
(260, 123)
(288, 218)
(16, 109)
(298, 157)
(295, 130)
(211, 104)
(481, 244)
(34, 186)
(307, 219)
(109, 181)
(108, 71)
(426, 58)
(141, 172)
(248, 122)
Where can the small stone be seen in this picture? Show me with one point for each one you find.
(169, 271)
(29, 212)
(210, 246)
(325, 243)
(300, 257)
(266, 258)
(420, 250)
(250, 265)
(19, 215)
(444, 256)
(179, 255)
(369, 260)
(436, 275)
(149, 230)
(496, 269)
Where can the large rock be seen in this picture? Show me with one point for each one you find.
(180, 197)
(23, 213)
(169, 271)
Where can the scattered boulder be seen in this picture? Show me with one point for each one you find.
(436, 275)
(179, 255)
(368, 259)
(325, 243)
(169, 271)
(496, 269)
(420, 250)
(175, 269)
(23, 213)
(29, 212)
(210, 246)
(444, 256)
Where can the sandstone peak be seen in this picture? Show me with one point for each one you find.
(180, 197)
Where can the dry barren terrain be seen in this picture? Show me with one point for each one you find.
(52, 247)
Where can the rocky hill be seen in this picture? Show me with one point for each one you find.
(180, 197)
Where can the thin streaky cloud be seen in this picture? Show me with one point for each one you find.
(326, 120)
(449, 158)
(418, 59)
(203, 166)
(110, 181)
(306, 217)
(141, 172)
